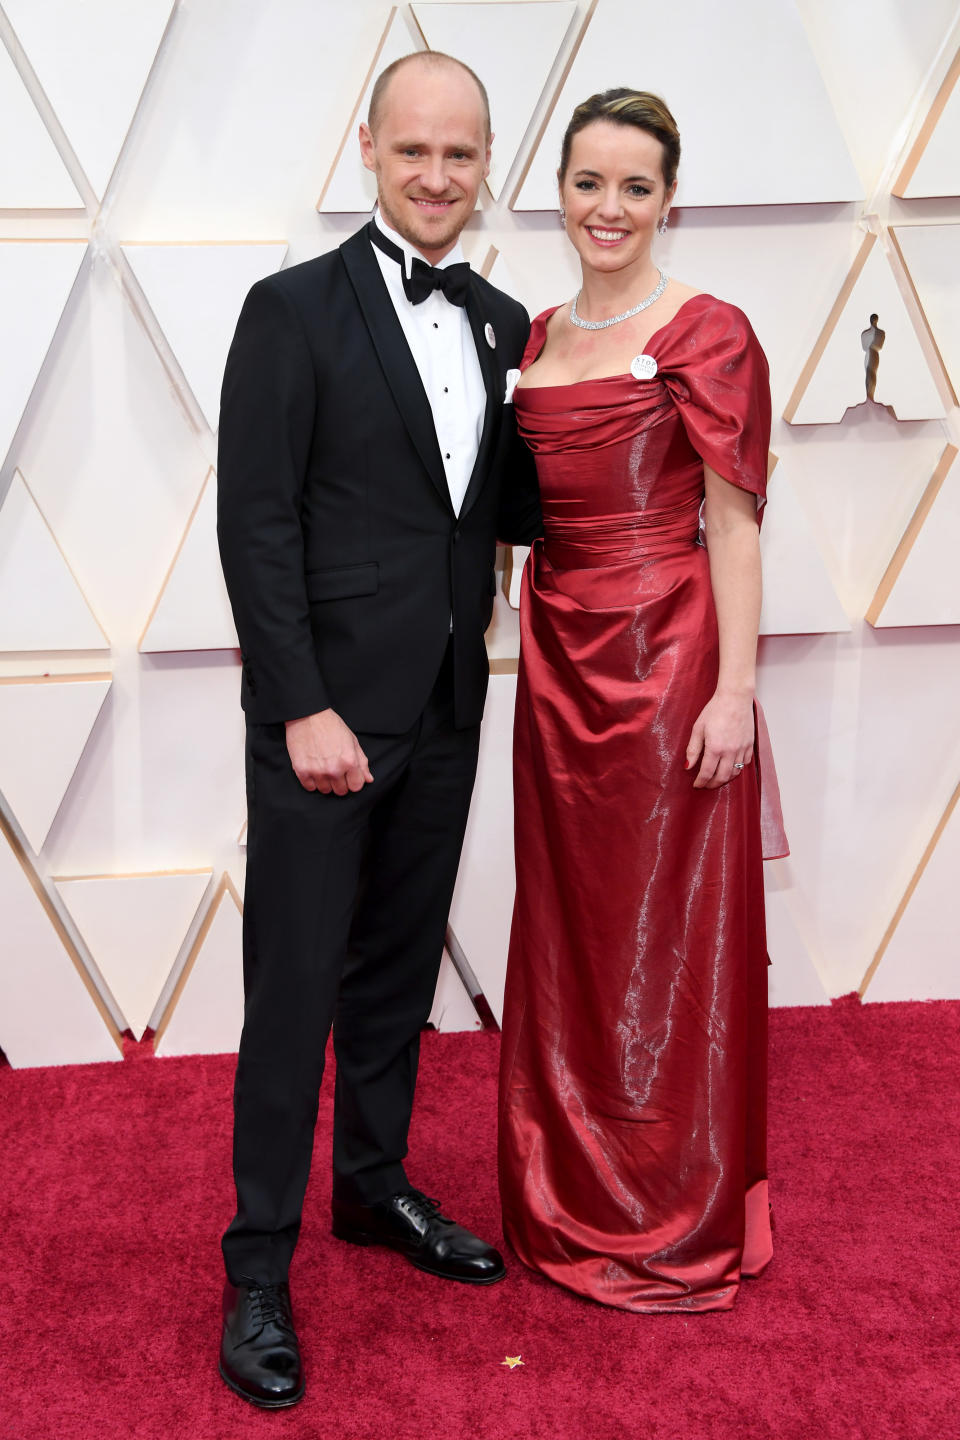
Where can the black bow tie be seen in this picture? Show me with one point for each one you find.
(453, 280)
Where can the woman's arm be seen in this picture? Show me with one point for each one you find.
(723, 732)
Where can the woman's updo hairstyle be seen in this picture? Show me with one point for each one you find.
(628, 107)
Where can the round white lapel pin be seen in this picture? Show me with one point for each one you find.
(643, 367)
(489, 336)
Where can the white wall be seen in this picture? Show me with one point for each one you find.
(210, 123)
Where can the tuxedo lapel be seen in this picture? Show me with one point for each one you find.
(493, 413)
(393, 351)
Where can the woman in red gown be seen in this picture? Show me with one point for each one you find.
(633, 1075)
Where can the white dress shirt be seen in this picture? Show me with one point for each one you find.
(444, 352)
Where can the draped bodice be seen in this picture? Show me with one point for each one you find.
(620, 460)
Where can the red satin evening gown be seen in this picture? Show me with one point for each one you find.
(633, 1072)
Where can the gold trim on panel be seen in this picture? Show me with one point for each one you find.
(823, 339)
(173, 563)
(20, 855)
(548, 116)
(892, 232)
(226, 885)
(471, 984)
(508, 665)
(908, 893)
(348, 129)
(132, 875)
(908, 539)
(490, 259)
(98, 675)
(47, 239)
(196, 244)
(507, 572)
(927, 128)
(419, 28)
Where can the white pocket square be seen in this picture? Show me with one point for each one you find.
(512, 377)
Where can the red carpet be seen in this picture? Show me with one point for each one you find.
(116, 1185)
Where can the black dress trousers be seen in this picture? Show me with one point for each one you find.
(346, 905)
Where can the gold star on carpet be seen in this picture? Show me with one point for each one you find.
(512, 1361)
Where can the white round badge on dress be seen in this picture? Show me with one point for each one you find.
(643, 367)
(489, 336)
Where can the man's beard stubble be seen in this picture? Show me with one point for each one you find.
(423, 238)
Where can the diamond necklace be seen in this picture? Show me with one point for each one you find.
(655, 294)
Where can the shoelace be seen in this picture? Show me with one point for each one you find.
(421, 1207)
(269, 1304)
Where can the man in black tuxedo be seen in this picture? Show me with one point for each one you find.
(368, 461)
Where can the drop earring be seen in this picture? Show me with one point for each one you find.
(662, 225)
(563, 216)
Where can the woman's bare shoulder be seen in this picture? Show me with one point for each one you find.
(558, 318)
(680, 292)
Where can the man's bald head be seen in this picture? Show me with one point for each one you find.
(428, 60)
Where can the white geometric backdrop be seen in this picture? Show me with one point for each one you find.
(158, 158)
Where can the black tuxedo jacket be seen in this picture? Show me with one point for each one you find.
(342, 554)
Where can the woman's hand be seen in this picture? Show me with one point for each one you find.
(723, 735)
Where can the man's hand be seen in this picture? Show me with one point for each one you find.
(326, 755)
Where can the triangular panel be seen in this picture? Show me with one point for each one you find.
(859, 485)
(452, 1007)
(794, 979)
(708, 60)
(44, 725)
(512, 47)
(41, 604)
(47, 1013)
(350, 187)
(514, 562)
(836, 374)
(483, 901)
(134, 926)
(32, 175)
(102, 49)
(933, 165)
(205, 1013)
(496, 269)
(196, 292)
(193, 609)
(919, 956)
(798, 594)
(36, 277)
(920, 586)
(929, 253)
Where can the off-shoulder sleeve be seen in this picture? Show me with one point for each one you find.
(718, 376)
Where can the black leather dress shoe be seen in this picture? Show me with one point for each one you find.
(260, 1353)
(413, 1225)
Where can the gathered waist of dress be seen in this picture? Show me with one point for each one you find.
(597, 540)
